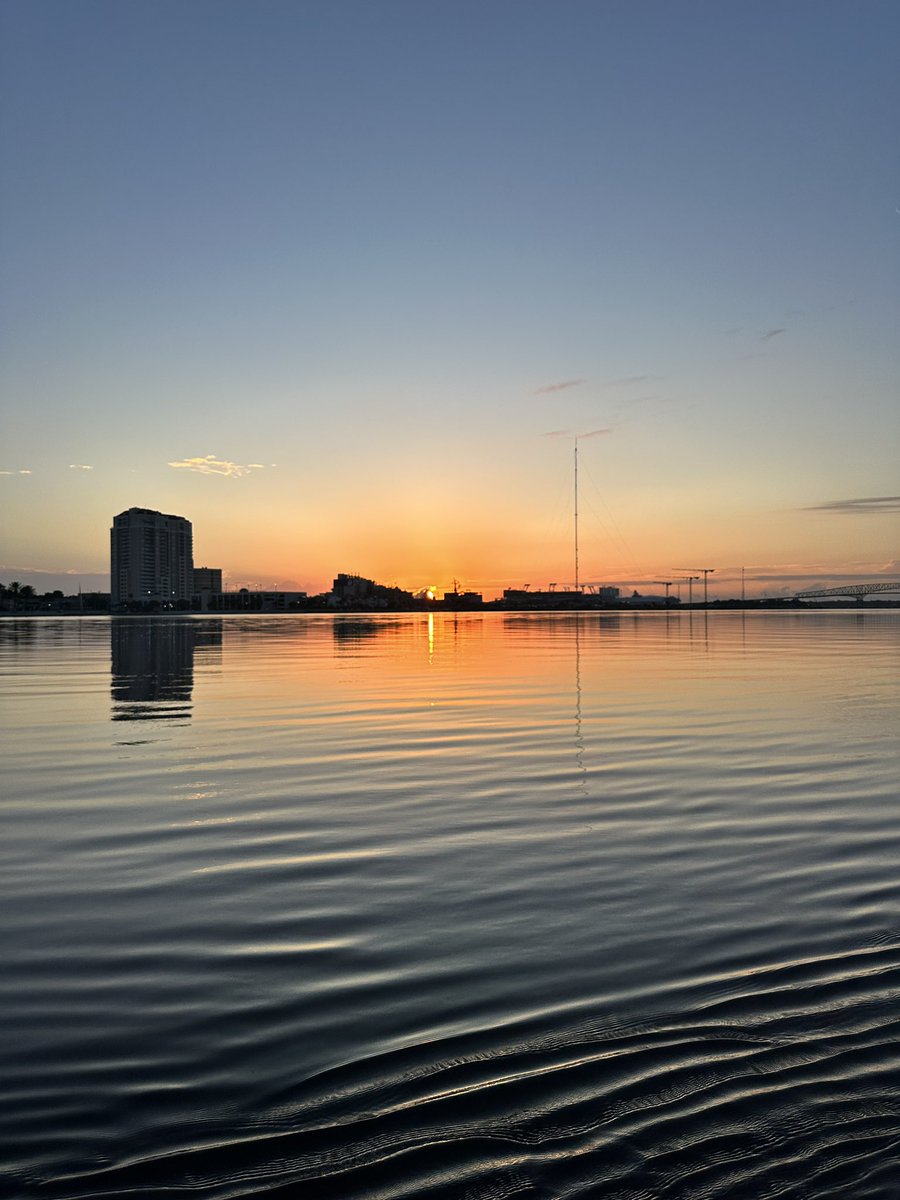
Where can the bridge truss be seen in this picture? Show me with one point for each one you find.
(857, 590)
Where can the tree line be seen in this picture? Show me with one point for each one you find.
(18, 593)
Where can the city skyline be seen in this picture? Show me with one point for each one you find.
(152, 563)
(343, 285)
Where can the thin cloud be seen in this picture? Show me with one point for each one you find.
(866, 506)
(772, 333)
(26, 472)
(79, 467)
(6, 569)
(627, 380)
(832, 579)
(558, 387)
(567, 433)
(209, 464)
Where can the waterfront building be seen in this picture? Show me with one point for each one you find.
(207, 583)
(151, 560)
(355, 592)
(207, 579)
(595, 597)
(253, 601)
(457, 600)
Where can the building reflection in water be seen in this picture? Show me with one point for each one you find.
(153, 665)
(350, 632)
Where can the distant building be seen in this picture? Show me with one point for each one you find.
(595, 597)
(456, 600)
(637, 600)
(207, 583)
(151, 560)
(356, 592)
(207, 579)
(247, 601)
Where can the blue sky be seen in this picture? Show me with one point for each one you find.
(352, 252)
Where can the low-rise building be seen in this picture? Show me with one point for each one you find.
(207, 582)
(357, 593)
(255, 601)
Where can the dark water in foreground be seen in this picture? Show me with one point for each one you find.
(479, 907)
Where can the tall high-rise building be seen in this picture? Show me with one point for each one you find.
(151, 559)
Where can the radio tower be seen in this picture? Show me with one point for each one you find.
(576, 513)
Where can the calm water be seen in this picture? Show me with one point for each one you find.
(478, 907)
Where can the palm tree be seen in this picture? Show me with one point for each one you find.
(19, 591)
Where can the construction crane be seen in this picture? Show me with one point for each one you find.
(705, 572)
(690, 582)
(666, 583)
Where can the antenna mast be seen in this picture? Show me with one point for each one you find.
(576, 514)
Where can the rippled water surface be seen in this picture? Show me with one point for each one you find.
(493, 906)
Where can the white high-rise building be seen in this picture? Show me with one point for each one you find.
(151, 559)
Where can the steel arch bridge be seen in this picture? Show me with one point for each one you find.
(857, 590)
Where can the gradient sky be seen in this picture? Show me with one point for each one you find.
(339, 281)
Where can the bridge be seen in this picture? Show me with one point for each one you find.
(857, 590)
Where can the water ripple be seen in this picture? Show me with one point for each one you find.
(740, 1100)
(384, 910)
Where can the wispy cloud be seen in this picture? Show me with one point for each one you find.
(818, 578)
(26, 472)
(772, 333)
(7, 569)
(209, 464)
(866, 506)
(624, 381)
(568, 433)
(79, 467)
(558, 387)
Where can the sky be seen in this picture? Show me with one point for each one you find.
(341, 281)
